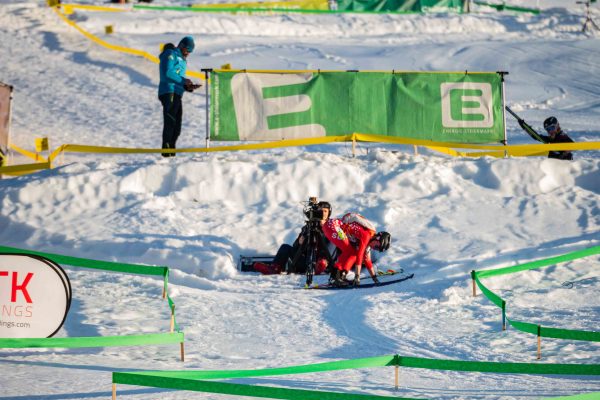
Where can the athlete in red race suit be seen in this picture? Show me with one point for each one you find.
(354, 235)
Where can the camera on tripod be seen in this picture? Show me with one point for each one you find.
(313, 210)
(589, 23)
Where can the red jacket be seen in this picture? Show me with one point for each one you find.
(355, 229)
(360, 231)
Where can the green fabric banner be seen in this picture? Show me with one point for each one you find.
(401, 5)
(446, 106)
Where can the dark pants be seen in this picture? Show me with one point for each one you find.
(172, 113)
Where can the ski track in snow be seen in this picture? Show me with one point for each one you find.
(198, 213)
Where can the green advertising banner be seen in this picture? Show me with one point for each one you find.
(401, 5)
(455, 107)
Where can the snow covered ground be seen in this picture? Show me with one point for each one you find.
(197, 213)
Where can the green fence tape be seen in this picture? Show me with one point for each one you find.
(493, 297)
(572, 334)
(370, 362)
(97, 341)
(527, 327)
(585, 396)
(93, 264)
(501, 367)
(251, 390)
(193, 380)
(540, 263)
(382, 361)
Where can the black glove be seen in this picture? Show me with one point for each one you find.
(189, 86)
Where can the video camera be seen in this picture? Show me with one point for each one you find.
(313, 211)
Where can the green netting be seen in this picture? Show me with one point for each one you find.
(95, 341)
(99, 341)
(527, 327)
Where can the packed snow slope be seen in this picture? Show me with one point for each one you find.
(197, 213)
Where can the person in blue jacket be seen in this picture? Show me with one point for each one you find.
(172, 84)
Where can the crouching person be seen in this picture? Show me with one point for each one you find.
(355, 236)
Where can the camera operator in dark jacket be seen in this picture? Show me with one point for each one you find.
(555, 135)
(292, 259)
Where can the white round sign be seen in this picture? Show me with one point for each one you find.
(35, 296)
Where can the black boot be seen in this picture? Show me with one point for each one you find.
(336, 278)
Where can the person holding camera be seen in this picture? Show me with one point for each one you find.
(355, 236)
(555, 135)
(292, 258)
(172, 68)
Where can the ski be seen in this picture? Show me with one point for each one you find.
(328, 286)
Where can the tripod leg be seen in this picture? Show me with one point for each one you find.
(301, 249)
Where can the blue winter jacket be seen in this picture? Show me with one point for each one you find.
(172, 71)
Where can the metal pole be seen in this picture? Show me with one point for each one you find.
(474, 284)
(539, 342)
(503, 315)
(505, 141)
(10, 111)
(206, 78)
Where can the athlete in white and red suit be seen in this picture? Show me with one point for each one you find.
(352, 234)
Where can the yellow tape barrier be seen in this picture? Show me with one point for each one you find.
(110, 46)
(23, 169)
(444, 147)
(68, 8)
(30, 154)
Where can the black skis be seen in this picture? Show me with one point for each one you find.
(350, 285)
